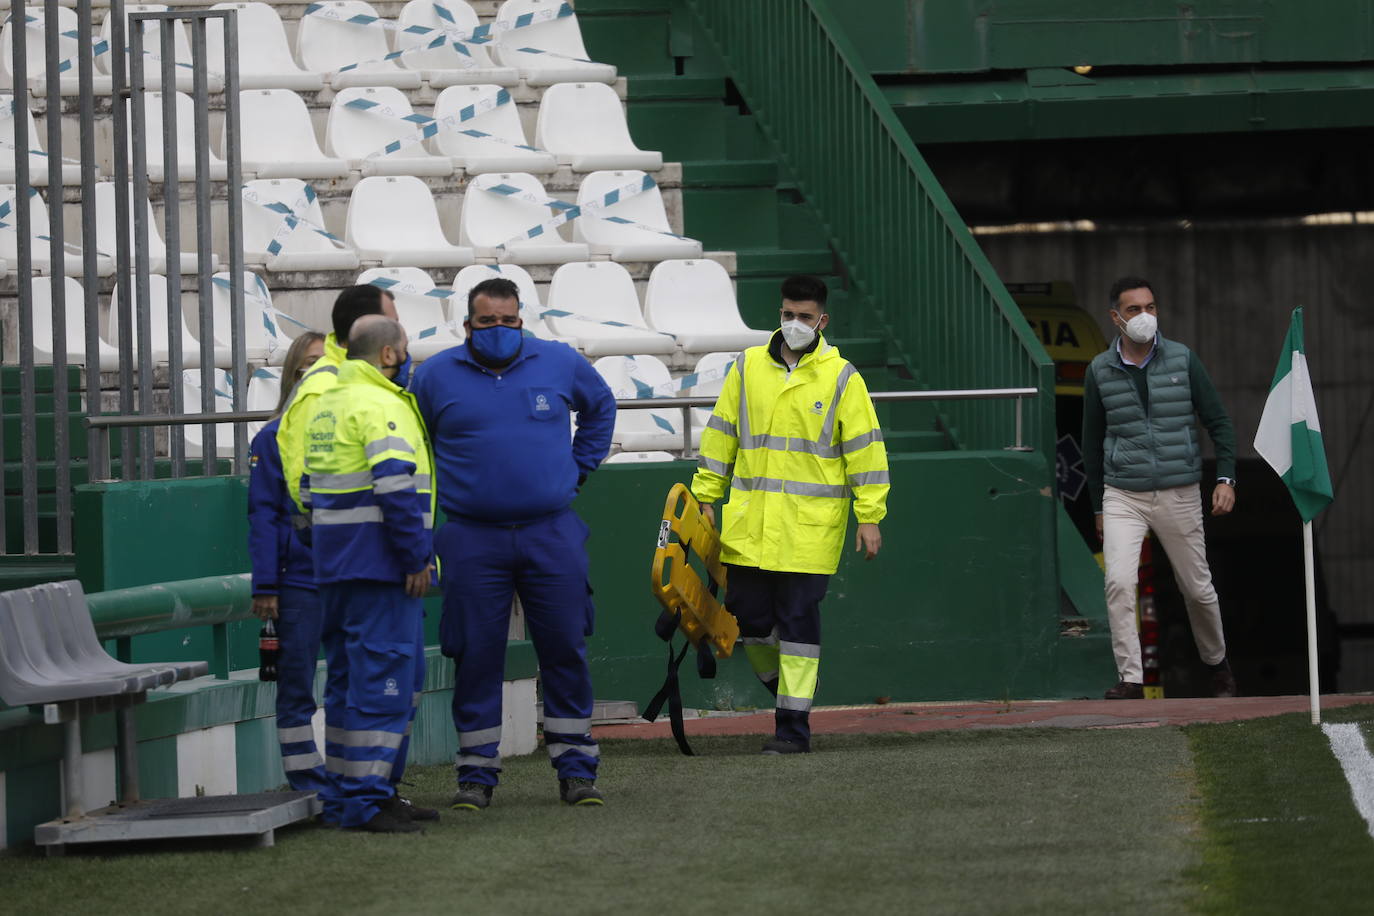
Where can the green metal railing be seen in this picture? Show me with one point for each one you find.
(905, 248)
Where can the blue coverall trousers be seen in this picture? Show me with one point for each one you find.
(483, 567)
(300, 619)
(374, 644)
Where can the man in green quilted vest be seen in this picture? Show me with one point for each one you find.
(1141, 400)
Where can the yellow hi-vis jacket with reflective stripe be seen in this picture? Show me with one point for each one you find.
(792, 447)
(291, 433)
(369, 469)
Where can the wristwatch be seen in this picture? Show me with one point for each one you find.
(1229, 481)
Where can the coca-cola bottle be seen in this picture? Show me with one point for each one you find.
(268, 648)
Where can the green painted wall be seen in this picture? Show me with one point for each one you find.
(962, 603)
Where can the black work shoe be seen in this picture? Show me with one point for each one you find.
(471, 796)
(1223, 681)
(387, 820)
(776, 746)
(580, 791)
(1126, 690)
(404, 807)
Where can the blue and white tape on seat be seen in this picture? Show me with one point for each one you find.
(566, 212)
(430, 127)
(483, 34)
(291, 218)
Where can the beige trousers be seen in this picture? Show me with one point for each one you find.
(1175, 516)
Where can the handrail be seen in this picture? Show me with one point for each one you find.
(906, 249)
(106, 423)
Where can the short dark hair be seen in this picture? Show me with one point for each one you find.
(805, 288)
(353, 303)
(1125, 283)
(496, 288)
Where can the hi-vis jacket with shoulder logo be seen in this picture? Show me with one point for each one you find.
(792, 447)
(368, 476)
(291, 433)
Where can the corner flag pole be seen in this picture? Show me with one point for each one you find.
(1289, 438)
(1310, 578)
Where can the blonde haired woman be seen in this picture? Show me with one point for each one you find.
(284, 583)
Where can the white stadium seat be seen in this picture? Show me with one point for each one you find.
(711, 368)
(446, 65)
(393, 219)
(264, 390)
(594, 293)
(106, 232)
(289, 149)
(302, 248)
(583, 124)
(152, 50)
(75, 312)
(530, 305)
(265, 60)
(639, 457)
(186, 139)
(491, 220)
(36, 53)
(421, 315)
(325, 45)
(362, 136)
(560, 37)
(640, 430)
(224, 403)
(263, 337)
(157, 326)
(642, 238)
(694, 301)
(484, 154)
(38, 230)
(38, 163)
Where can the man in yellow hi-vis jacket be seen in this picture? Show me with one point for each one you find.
(350, 305)
(369, 469)
(793, 436)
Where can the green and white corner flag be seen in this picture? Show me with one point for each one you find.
(1289, 435)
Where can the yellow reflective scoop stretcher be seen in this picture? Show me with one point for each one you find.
(699, 613)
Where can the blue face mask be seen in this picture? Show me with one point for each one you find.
(497, 344)
(402, 372)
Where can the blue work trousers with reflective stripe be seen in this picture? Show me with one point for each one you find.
(484, 566)
(300, 619)
(374, 644)
(785, 606)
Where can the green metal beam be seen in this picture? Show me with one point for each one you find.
(1059, 104)
(978, 36)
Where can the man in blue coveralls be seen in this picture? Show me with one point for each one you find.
(368, 469)
(497, 409)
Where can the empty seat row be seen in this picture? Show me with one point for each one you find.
(475, 128)
(345, 43)
(642, 376)
(105, 236)
(265, 340)
(507, 217)
(689, 305)
(374, 130)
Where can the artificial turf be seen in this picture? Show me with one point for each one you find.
(994, 821)
(1282, 834)
(1245, 817)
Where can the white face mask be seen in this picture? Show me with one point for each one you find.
(797, 334)
(1142, 328)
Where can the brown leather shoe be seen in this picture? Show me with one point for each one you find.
(1125, 690)
(1223, 682)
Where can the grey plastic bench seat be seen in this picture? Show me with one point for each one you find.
(49, 652)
